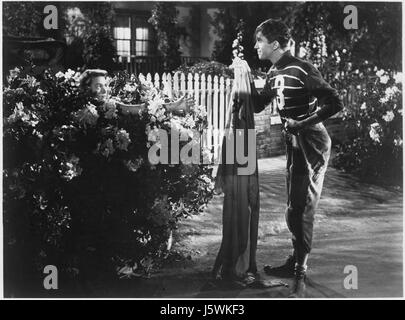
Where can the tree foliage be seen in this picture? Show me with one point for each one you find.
(378, 38)
(94, 47)
(21, 19)
(226, 23)
(98, 49)
(164, 20)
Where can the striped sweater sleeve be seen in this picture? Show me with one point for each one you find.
(329, 101)
(262, 99)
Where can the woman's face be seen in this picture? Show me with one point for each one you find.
(98, 86)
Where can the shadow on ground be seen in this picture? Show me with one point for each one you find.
(357, 224)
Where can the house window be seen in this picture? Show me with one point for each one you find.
(133, 36)
(142, 41)
(122, 35)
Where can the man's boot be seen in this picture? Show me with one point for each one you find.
(299, 286)
(284, 271)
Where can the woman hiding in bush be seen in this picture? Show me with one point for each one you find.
(96, 81)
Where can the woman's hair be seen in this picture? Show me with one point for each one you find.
(274, 29)
(85, 79)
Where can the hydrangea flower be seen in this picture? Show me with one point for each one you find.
(71, 168)
(69, 74)
(154, 105)
(133, 165)
(19, 113)
(130, 87)
(110, 109)
(14, 73)
(207, 156)
(389, 116)
(380, 73)
(384, 100)
(384, 79)
(122, 139)
(200, 111)
(153, 135)
(175, 124)
(59, 75)
(398, 77)
(106, 148)
(189, 121)
(374, 132)
(88, 115)
(398, 142)
(391, 91)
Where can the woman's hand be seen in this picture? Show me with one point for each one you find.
(183, 105)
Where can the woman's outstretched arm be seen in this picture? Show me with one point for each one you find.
(179, 107)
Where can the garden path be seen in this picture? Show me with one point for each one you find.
(356, 224)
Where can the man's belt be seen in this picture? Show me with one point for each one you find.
(293, 115)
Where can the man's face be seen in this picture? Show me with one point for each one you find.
(98, 86)
(265, 50)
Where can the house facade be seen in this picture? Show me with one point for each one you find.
(135, 37)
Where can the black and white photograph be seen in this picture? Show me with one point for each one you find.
(203, 150)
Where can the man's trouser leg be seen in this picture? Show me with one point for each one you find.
(307, 159)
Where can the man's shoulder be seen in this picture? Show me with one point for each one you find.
(304, 64)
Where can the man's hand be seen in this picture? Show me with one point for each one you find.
(240, 63)
(242, 67)
(292, 126)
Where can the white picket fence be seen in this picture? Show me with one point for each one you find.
(213, 93)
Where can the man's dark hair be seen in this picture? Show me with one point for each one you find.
(274, 29)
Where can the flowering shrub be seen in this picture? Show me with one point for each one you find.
(315, 48)
(213, 68)
(237, 43)
(78, 186)
(376, 148)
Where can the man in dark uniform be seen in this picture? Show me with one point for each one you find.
(303, 100)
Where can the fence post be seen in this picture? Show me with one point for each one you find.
(183, 84)
(228, 90)
(176, 83)
(167, 85)
(157, 81)
(215, 111)
(221, 106)
(164, 80)
(203, 91)
(209, 114)
(149, 77)
(197, 91)
(203, 104)
(190, 84)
